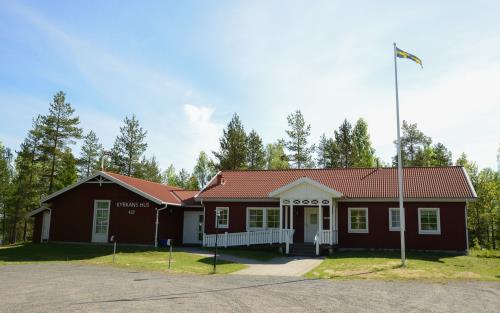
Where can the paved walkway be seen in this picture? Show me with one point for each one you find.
(280, 266)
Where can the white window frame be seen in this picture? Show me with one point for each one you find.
(217, 210)
(357, 231)
(265, 211)
(392, 228)
(264, 221)
(438, 221)
(267, 217)
(94, 217)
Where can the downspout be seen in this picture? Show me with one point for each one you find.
(163, 206)
(50, 222)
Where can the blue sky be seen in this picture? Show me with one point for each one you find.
(184, 67)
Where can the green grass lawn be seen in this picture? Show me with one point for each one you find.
(432, 266)
(259, 254)
(140, 258)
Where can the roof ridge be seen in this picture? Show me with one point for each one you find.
(142, 179)
(335, 168)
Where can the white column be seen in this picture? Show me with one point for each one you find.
(330, 212)
(320, 216)
(291, 218)
(287, 247)
(281, 222)
(286, 217)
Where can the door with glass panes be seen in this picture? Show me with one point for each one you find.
(100, 225)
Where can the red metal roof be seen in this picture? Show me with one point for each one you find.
(162, 192)
(355, 183)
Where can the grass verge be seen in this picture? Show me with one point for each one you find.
(139, 258)
(432, 266)
(259, 253)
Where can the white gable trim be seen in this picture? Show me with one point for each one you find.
(35, 212)
(197, 196)
(111, 178)
(470, 183)
(305, 180)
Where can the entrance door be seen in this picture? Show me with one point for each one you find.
(311, 225)
(193, 228)
(45, 226)
(101, 221)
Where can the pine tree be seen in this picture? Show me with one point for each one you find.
(413, 144)
(59, 128)
(6, 175)
(276, 158)
(129, 147)
(204, 169)
(66, 169)
(343, 140)
(28, 185)
(328, 153)
(150, 170)
(297, 144)
(184, 178)
(441, 155)
(89, 156)
(363, 154)
(233, 146)
(256, 156)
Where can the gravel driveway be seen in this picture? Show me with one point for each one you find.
(81, 288)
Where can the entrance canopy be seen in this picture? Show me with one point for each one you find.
(305, 191)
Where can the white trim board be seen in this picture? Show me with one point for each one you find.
(305, 180)
(113, 179)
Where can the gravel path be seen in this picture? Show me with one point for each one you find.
(82, 288)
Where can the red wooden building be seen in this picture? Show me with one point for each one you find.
(318, 208)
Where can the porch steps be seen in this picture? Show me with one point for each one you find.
(303, 249)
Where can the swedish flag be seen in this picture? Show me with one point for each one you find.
(405, 55)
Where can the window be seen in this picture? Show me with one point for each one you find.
(273, 218)
(394, 219)
(358, 220)
(428, 221)
(263, 218)
(222, 216)
(313, 219)
(256, 218)
(101, 217)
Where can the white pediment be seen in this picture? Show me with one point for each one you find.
(305, 188)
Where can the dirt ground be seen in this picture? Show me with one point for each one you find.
(82, 288)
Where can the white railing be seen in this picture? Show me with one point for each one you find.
(325, 237)
(250, 238)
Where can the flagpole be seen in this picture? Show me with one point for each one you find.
(400, 168)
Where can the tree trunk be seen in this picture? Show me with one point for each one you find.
(477, 227)
(56, 138)
(13, 231)
(24, 229)
(493, 238)
(4, 221)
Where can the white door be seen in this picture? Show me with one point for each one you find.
(311, 225)
(100, 226)
(45, 226)
(193, 227)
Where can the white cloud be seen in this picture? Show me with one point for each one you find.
(325, 61)
(202, 132)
